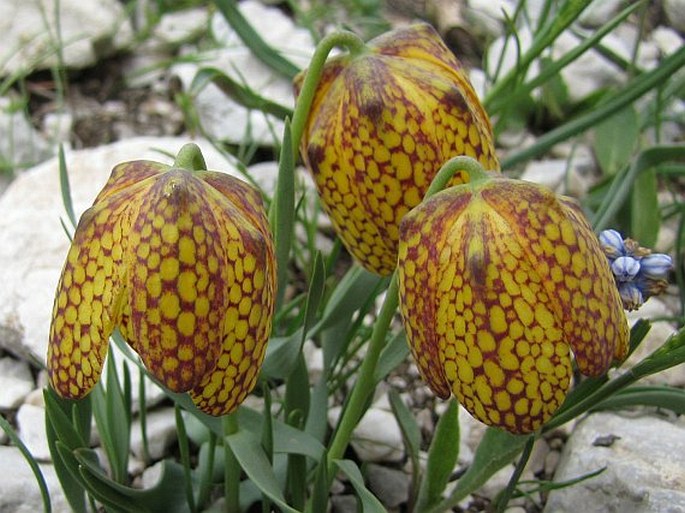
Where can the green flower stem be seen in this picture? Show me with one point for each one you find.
(507, 493)
(364, 385)
(231, 466)
(313, 74)
(461, 163)
(190, 157)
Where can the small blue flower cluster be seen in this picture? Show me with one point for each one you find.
(640, 274)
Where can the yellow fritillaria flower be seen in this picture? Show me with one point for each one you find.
(381, 124)
(499, 281)
(182, 262)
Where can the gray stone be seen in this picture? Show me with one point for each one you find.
(161, 433)
(667, 40)
(88, 30)
(599, 12)
(225, 119)
(389, 485)
(645, 471)
(549, 172)
(377, 437)
(19, 491)
(15, 382)
(675, 12)
(31, 428)
(21, 146)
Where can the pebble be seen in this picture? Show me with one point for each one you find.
(645, 471)
(667, 40)
(89, 30)
(376, 438)
(389, 485)
(21, 145)
(161, 433)
(15, 382)
(675, 13)
(19, 491)
(31, 428)
(598, 13)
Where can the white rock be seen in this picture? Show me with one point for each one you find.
(599, 12)
(549, 173)
(21, 146)
(487, 17)
(645, 471)
(377, 437)
(675, 12)
(31, 428)
(225, 119)
(313, 357)
(667, 40)
(161, 433)
(15, 382)
(88, 30)
(179, 27)
(590, 71)
(33, 244)
(19, 491)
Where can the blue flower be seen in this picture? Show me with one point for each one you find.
(639, 273)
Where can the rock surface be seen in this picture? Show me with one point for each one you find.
(88, 30)
(15, 382)
(645, 470)
(33, 244)
(19, 489)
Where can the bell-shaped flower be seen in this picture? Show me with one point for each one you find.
(639, 273)
(381, 124)
(501, 281)
(182, 263)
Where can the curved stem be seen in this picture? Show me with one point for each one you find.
(231, 466)
(313, 74)
(190, 158)
(460, 163)
(363, 387)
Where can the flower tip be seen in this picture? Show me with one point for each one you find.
(612, 242)
(656, 265)
(625, 268)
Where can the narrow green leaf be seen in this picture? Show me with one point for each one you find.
(442, 457)
(370, 504)
(65, 188)
(253, 41)
(73, 491)
(166, 495)
(623, 182)
(320, 491)
(628, 94)
(669, 398)
(408, 425)
(394, 353)
(282, 214)
(497, 449)
(35, 468)
(349, 295)
(184, 449)
(253, 461)
(645, 217)
(615, 139)
(241, 93)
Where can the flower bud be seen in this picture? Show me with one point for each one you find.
(183, 263)
(499, 281)
(381, 124)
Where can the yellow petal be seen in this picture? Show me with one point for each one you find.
(381, 125)
(250, 284)
(567, 255)
(89, 297)
(177, 281)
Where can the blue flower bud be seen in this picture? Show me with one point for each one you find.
(656, 265)
(630, 295)
(613, 244)
(625, 268)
